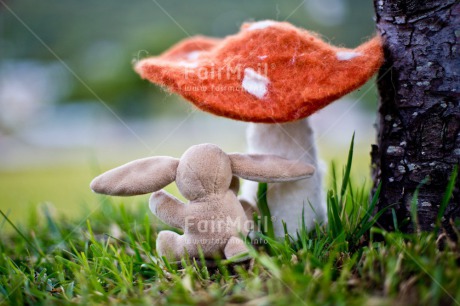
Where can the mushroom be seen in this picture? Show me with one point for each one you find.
(273, 75)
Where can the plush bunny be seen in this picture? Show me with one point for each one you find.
(214, 218)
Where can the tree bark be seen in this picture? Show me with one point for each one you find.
(419, 113)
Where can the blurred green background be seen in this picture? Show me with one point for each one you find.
(71, 105)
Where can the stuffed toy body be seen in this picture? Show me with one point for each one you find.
(273, 75)
(213, 219)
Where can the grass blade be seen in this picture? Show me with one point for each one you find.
(22, 235)
(447, 195)
(264, 210)
(395, 220)
(346, 175)
(365, 223)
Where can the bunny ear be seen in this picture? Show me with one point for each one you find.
(137, 177)
(269, 168)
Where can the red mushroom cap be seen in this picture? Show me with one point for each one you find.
(269, 72)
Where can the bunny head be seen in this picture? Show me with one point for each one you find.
(203, 169)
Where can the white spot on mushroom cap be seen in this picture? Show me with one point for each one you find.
(347, 55)
(188, 64)
(255, 83)
(261, 25)
(194, 55)
(262, 57)
(191, 59)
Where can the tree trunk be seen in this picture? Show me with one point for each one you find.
(419, 115)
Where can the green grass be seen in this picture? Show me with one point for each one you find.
(107, 256)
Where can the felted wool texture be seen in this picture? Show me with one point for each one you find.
(213, 218)
(268, 72)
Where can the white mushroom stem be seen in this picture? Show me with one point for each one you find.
(287, 200)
